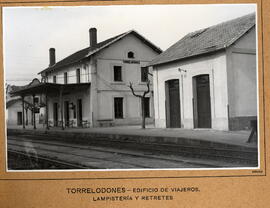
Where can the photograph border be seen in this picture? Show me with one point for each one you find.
(260, 110)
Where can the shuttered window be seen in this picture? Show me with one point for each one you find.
(54, 79)
(144, 74)
(117, 70)
(65, 78)
(78, 75)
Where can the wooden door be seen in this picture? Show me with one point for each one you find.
(66, 113)
(173, 114)
(79, 108)
(202, 101)
(19, 118)
(55, 114)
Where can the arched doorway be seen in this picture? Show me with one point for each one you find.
(172, 104)
(201, 101)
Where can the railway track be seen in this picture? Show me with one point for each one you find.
(75, 156)
(22, 161)
(222, 153)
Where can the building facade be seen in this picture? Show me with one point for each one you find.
(208, 79)
(90, 87)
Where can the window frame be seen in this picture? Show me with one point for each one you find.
(78, 75)
(65, 78)
(54, 79)
(36, 100)
(132, 56)
(144, 75)
(114, 72)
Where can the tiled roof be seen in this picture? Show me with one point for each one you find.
(207, 40)
(86, 52)
(11, 102)
(14, 88)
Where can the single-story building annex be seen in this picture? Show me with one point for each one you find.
(208, 79)
(32, 106)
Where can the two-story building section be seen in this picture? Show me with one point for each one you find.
(91, 86)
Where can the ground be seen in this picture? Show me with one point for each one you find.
(130, 148)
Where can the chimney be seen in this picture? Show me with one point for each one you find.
(93, 36)
(52, 56)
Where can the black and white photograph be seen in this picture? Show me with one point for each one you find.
(131, 87)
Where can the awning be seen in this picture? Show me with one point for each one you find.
(49, 88)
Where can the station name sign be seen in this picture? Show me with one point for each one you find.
(131, 62)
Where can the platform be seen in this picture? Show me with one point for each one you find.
(170, 135)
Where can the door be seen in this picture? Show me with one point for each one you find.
(19, 118)
(55, 114)
(201, 101)
(173, 115)
(66, 113)
(79, 108)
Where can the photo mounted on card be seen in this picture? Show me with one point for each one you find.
(114, 90)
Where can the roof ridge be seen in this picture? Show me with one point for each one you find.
(81, 50)
(223, 22)
(109, 42)
(88, 51)
(209, 39)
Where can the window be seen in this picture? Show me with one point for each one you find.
(36, 100)
(78, 75)
(117, 71)
(130, 54)
(144, 74)
(147, 107)
(118, 107)
(54, 79)
(65, 78)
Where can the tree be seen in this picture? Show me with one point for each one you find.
(142, 98)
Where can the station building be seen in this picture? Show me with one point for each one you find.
(208, 79)
(90, 87)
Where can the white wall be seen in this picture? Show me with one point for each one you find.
(12, 113)
(131, 72)
(14, 109)
(242, 74)
(215, 66)
(71, 73)
(99, 71)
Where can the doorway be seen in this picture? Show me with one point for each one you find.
(201, 101)
(66, 113)
(55, 114)
(172, 103)
(79, 108)
(19, 118)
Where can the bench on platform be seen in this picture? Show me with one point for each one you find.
(85, 124)
(69, 123)
(106, 122)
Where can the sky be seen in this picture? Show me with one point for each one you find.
(29, 32)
